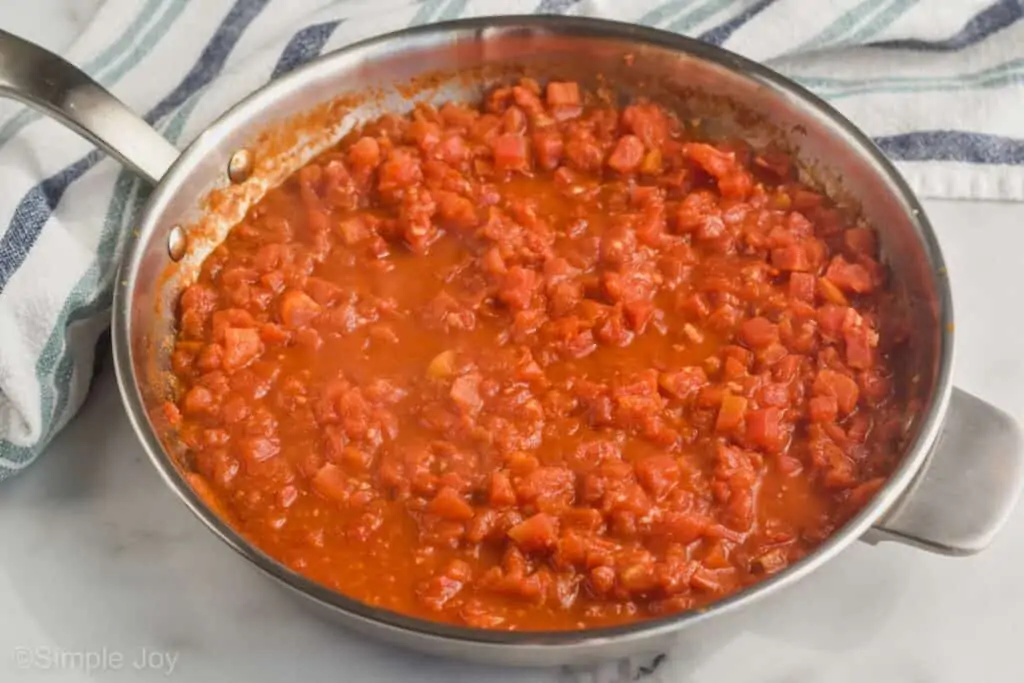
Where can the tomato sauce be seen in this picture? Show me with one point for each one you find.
(545, 363)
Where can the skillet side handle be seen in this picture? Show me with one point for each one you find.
(57, 88)
(969, 486)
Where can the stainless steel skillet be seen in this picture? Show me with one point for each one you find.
(958, 479)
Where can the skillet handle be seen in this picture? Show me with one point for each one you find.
(57, 88)
(967, 488)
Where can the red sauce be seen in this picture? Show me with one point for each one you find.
(545, 364)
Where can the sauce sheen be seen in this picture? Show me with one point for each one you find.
(545, 363)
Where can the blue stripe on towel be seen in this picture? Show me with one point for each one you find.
(426, 12)
(700, 14)
(662, 12)
(953, 145)
(827, 85)
(32, 213)
(723, 32)
(303, 46)
(554, 6)
(879, 22)
(454, 10)
(846, 22)
(989, 21)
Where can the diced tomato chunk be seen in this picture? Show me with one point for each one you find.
(861, 241)
(802, 286)
(793, 257)
(330, 482)
(683, 527)
(851, 277)
(731, 413)
(453, 150)
(501, 492)
(352, 230)
(559, 94)
(450, 505)
(456, 211)
(465, 393)
(527, 99)
(539, 532)
(831, 293)
(627, 155)
(839, 386)
(716, 162)
(830, 320)
(759, 332)
(298, 309)
(823, 408)
(548, 484)
(736, 185)
(242, 345)
(364, 155)
(695, 209)
(401, 170)
(764, 428)
(425, 134)
(775, 394)
(859, 342)
(648, 122)
(657, 473)
(548, 147)
(198, 400)
(511, 152)
(518, 287)
(683, 383)
(514, 120)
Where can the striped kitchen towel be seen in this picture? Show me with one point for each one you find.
(937, 83)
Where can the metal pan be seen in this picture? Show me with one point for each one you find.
(957, 481)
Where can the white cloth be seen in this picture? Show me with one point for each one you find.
(937, 83)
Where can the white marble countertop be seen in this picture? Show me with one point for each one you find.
(98, 556)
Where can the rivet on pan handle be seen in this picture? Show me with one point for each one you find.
(41, 79)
